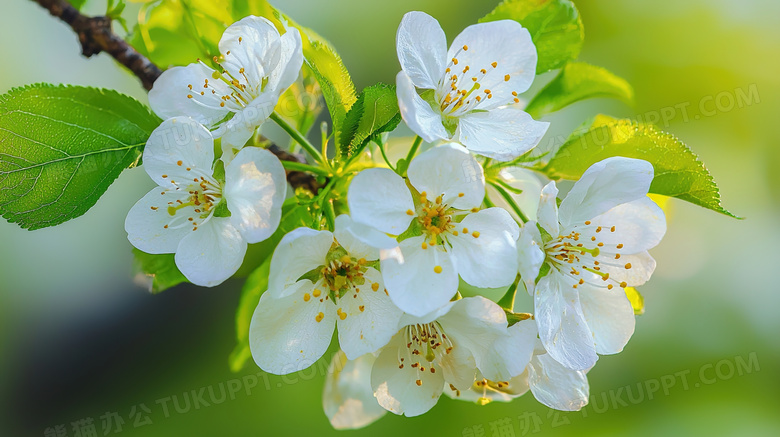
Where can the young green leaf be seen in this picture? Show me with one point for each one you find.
(678, 171)
(555, 27)
(78, 4)
(62, 146)
(578, 81)
(374, 112)
(161, 269)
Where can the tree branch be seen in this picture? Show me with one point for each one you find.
(95, 35)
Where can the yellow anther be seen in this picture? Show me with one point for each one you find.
(319, 317)
(628, 266)
(437, 269)
(475, 234)
(316, 292)
(617, 256)
(461, 194)
(620, 246)
(465, 48)
(362, 308)
(465, 230)
(494, 65)
(424, 245)
(306, 297)
(375, 286)
(506, 78)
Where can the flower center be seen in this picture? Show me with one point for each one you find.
(197, 207)
(460, 90)
(578, 251)
(235, 91)
(423, 342)
(344, 272)
(435, 218)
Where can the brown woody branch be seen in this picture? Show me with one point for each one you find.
(95, 35)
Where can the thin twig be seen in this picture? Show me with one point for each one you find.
(95, 35)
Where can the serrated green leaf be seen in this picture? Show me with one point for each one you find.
(62, 146)
(678, 171)
(555, 27)
(578, 81)
(374, 112)
(334, 80)
(161, 269)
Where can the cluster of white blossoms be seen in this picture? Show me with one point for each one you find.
(388, 276)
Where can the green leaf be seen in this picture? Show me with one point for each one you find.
(161, 269)
(256, 284)
(78, 4)
(678, 172)
(555, 27)
(374, 112)
(62, 146)
(332, 75)
(178, 32)
(578, 81)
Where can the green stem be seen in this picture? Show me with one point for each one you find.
(413, 150)
(297, 136)
(330, 215)
(384, 156)
(297, 166)
(506, 186)
(508, 198)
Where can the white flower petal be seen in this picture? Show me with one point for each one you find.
(459, 366)
(422, 49)
(603, 186)
(556, 386)
(288, 334)
(417, 113)
(255, 187)
(562, 326)
(640, 267)
(506, 43)
(379, 198)
(639, 226)
(530, 255)
(491, 236)
(351, 236)
(475, 323)
(509, 355)
(361, 240)
(253, 44)
(449, 170)
(548, 209)
(169, 95)
(300, 251)
(396, 389)
(146, 221)
(176, 148)
(503, 133)
(212, 253)
(371, 317)
(347, 398)
(413, 283)
(609, 315)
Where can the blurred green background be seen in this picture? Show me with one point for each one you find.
(79, 339)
